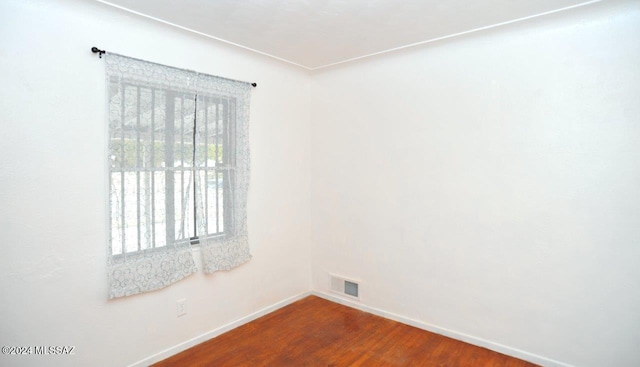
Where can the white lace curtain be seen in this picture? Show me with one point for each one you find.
(179, 173)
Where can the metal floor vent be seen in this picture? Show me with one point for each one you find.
(345, 287)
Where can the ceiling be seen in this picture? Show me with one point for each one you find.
(318, 33)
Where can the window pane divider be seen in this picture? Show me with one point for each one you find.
(182, 206)
(216, 171)
(206, 163)
(138, 165)
(122, 176)
(152, 165)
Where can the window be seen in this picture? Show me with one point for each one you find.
(153, 156)
(179, 173)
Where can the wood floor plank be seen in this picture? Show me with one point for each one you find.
(316, 332)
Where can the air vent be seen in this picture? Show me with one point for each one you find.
(345, 287)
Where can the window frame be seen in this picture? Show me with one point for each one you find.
(171, 95)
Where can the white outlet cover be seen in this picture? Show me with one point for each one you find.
(181, 307)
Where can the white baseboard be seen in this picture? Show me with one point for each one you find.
(513, 352)
(215, 332)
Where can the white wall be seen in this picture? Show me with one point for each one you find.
(53, 187)
(490, 184)
(487, 185)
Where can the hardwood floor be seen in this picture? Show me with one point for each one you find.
(317, 332)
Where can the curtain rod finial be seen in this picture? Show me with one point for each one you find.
(98, 51)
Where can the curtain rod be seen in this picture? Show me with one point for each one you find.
(100, 52)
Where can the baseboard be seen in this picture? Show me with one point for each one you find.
(500, 348)
(215, 332)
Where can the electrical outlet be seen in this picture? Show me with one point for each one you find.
(181, 307)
